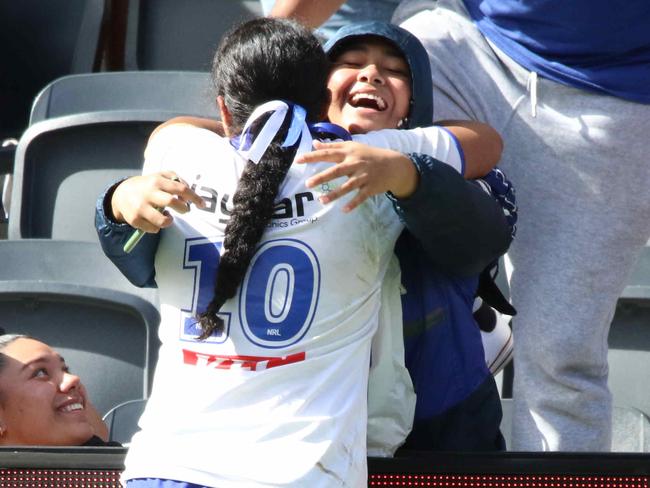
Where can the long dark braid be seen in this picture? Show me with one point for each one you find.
(263, 59)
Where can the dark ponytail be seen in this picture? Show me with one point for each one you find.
(263, 59)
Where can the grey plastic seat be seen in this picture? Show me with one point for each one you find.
(61, 261)
(177, 92)
(122, 420)
(180, 35)
(631, 428)
(88, 131)
(629, 340)
(638, 287)
(103, 334)
(71, 297)
(629, 355)
(64, 163)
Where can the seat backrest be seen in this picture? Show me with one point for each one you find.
(71, 296)
(41, 41)
(106, 336)
(122, 420)
(60, 261)
(63, 164)
(180, 92)
(629, 355)
(630, 428)
(103, 335)
(180, 35)
(638, 285)
(629, 340)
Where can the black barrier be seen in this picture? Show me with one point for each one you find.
(61, 467)
(100, 467)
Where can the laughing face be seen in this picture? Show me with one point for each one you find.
(370, 87)
(41, 402)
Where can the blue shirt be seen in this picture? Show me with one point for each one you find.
(592, 44)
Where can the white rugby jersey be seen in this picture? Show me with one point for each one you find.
(279, 398)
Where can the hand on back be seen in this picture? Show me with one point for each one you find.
(370, 171)
(138, 200)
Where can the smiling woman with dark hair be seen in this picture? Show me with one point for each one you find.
(41, 402)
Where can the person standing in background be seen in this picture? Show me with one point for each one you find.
(330, 15)
(566, 86)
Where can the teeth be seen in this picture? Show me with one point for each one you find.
(381, 103)
(72, 407)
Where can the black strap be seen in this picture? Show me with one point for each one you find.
(491, 294)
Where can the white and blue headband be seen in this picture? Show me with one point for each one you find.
(253, 146)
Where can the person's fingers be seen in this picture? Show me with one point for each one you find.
(330, 145)
(190, 196)
(182, 191)
(177, 204)
(142, 224)
(358, 199)
(322, 155)
(162, 200)
(169, 175)
(331, 174)
(351, 184)
(150, 219)
(167, 219)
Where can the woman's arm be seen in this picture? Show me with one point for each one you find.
(461, 226)
(132, 204)
(200, 122)
(482, 145)
(137, 266)
(309, 12)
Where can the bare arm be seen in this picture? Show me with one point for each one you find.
(203, 123)
(371, 170)
(482, 145)
(309, 12)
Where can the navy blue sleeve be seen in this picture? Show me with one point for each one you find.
(460, 225)
(137, 266)
(500, 187)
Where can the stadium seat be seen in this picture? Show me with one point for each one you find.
(638, 287)
(41, 41)
(629, 355)
(631, 428)
(122, 420)
(174, 35)
(177, 92)
(87, 131)
(61, 261)
(64, 163)
(71, 297)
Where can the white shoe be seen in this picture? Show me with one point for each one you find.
(498, 344)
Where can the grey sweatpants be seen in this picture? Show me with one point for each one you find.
(581, 169)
